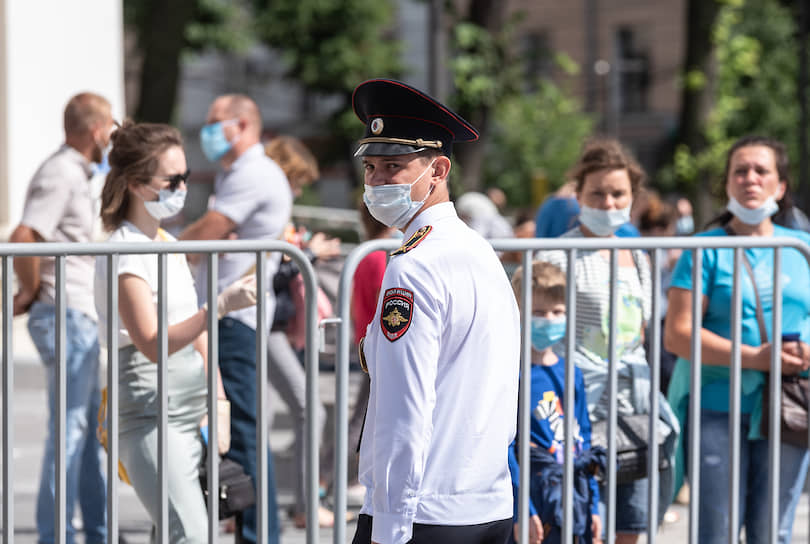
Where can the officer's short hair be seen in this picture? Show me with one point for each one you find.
(548, 281)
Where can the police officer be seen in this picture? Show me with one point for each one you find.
(443, 348)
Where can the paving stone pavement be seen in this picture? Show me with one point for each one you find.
(30, 420)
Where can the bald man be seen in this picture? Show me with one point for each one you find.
(252, 201)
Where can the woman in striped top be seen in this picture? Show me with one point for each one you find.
(607, 178)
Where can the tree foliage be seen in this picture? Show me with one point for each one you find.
(332, 45)
(753, 89)
(164, 30)
(536, 137)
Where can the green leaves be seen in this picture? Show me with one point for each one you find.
(483, 67)
(754, 87)
(332, 45)
(536, 138)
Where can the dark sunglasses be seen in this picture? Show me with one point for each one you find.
(176, 179)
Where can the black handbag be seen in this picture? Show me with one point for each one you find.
(236, 491)
(793, 410)
(631, 445)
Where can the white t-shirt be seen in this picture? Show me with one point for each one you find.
(182, 298)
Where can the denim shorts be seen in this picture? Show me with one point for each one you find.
(631, 506)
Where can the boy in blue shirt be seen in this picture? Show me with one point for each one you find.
(547, 430)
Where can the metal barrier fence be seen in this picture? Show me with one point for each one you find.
(571, 246)
(111, 251)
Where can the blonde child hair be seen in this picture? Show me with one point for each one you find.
(547, 280)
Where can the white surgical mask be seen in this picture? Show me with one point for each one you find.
(752, 216)
(169, 203)
(391, 205)
(603, 222)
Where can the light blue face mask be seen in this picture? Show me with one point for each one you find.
(392, 205)
(213, 141)
(685, 225)
(547, 332)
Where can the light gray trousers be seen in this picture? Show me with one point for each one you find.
(287, 376)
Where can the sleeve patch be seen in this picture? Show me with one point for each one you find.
(396, 313)
(415, 239)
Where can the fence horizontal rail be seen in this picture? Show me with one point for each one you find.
(161, 250)
(654, 245)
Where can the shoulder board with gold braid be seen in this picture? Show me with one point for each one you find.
(415, 239)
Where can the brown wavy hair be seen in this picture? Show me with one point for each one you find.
(607, 154)
(295, 159)
(136, 148)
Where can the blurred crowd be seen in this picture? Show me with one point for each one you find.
(257, 182)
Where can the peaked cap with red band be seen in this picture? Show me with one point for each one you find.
(400, 119)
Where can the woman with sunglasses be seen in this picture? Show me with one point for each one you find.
(146, 183)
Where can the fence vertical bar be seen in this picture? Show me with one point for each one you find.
(613, 383)
(524, 398)
(694, 398)
(655, 384)
(342, 379)
(261, 400)
(112, 398)
(60, 512)
(775, 383)
(312, 437)
(8, 401)
(212, 459)
(568, 401)
(163, 402)
(342, 398)
(734, 401)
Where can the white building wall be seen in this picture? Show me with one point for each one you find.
(49, 51)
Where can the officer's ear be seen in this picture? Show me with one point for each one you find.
(441, 168)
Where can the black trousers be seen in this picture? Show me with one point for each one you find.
(494, 532)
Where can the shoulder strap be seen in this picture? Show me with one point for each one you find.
(763, 331)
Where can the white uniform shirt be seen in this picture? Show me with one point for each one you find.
(443, 353)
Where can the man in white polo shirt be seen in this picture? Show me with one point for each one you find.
(253, 201)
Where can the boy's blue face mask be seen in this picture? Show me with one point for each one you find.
(213, 141)
(547, 332)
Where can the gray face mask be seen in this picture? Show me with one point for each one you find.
(169, 203)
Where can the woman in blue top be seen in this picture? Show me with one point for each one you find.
(547, 431)
(756, 179)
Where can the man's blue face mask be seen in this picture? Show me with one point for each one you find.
(213, 140)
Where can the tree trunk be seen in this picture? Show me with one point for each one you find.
(162, 40)
(700, 18)
(490, 15)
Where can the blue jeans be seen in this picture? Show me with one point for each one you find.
(714, 479)
(85, 477)
(237, 365)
